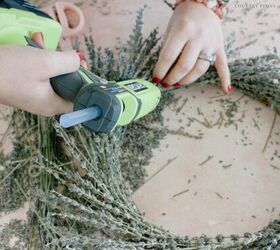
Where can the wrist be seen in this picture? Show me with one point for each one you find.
(218, 6)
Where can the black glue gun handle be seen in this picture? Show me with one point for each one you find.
(68, 86)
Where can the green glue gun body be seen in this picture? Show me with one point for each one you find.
(100, 105)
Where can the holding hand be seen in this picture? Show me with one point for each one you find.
(193, 39)
(25, 74)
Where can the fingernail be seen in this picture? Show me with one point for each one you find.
(156, 80)
(38, 37)
(177, 85)
(229, 89)
(80, 54)
(42, 36)
(165, 85)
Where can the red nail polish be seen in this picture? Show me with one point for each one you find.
(156, 80)
(177, 85)
(80, 54)
(165, 85)
(229, 90)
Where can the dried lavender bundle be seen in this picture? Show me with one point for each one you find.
(82, 185)
(257, 77)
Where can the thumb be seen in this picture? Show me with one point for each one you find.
(61, 63)
(56, 63)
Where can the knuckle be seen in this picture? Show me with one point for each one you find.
(184, 26)
(48, 112)
(222, 64)
(202, 32)
(201, 69)
(48, 63)
(184, 66)
(167, 58)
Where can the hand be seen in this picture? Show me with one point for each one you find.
(25, 74)
(192, 29)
